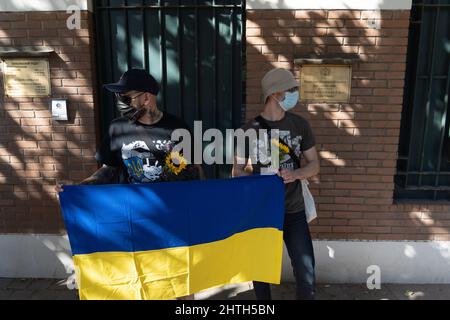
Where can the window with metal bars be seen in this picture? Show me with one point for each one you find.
(423, 167)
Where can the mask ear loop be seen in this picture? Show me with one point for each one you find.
(136, 115)
(138, 112)
(280, 102)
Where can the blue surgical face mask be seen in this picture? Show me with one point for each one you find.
(290, 100)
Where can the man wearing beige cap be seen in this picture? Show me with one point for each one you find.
(296, 139)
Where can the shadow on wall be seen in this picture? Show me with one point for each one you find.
(35, 150)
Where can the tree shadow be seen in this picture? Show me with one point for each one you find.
(35, 150)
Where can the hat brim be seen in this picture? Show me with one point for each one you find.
(116, 88)
(282, 87)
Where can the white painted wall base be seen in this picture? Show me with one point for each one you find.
(43, 5)
(399, 261)
(47, 256)
(330, 4)
(35, 256)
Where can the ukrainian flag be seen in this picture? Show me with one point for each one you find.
(167, 240)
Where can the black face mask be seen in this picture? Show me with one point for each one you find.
(127, 110)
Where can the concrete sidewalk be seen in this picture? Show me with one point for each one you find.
(48, 289)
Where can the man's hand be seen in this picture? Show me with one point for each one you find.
(311, 169)
(59, 187)
(289, 176)
(239, 169)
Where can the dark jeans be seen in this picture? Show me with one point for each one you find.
(299, 245)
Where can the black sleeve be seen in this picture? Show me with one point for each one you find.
(308, 140)
(104, 154)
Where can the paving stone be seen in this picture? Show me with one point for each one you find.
(48, 289)
(5, 294)
(285, 291)
(40, 284)
(224, 293)
(4, 282)
(420, 291)
(59, 285)
(21, 295)
(54, 295)
(19, 284)
(361, 292)
(67, 295)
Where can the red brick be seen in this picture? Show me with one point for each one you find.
(346, 229)
(26, 25)
(396, 24)
(12, 16)
(75, 83)
(370, 14)
(344, 14)
(310, 32)
(23, 144)
(362, 222)
(401, 14)
(13, 33)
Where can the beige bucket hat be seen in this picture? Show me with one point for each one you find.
(277, 80)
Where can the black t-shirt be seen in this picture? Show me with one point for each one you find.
(297, 133)
(140, 149)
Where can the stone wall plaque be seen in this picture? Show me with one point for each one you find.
(26, 77)
(325, 83)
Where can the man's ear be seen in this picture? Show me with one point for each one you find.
(147, 98)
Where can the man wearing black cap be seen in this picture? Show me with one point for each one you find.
(138, 142)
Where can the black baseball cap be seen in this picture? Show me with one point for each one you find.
(135, 80)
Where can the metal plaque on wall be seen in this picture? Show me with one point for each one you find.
(26, 77)
(325, 83)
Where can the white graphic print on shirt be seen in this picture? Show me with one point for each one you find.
(141, 164)
(261, 149)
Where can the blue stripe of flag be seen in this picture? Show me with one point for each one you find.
(130, 218)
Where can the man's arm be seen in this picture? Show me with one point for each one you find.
(104, 175)
(311, 169)
(241, 170)
(201, 173)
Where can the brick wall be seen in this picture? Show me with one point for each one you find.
(34, 150)
(357, 141)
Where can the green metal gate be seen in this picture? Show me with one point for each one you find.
(423, 169)
(193, 48)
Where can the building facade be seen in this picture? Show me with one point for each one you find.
(383, 191)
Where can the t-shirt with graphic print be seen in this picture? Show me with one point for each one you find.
(140, 149)
(297, 133)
